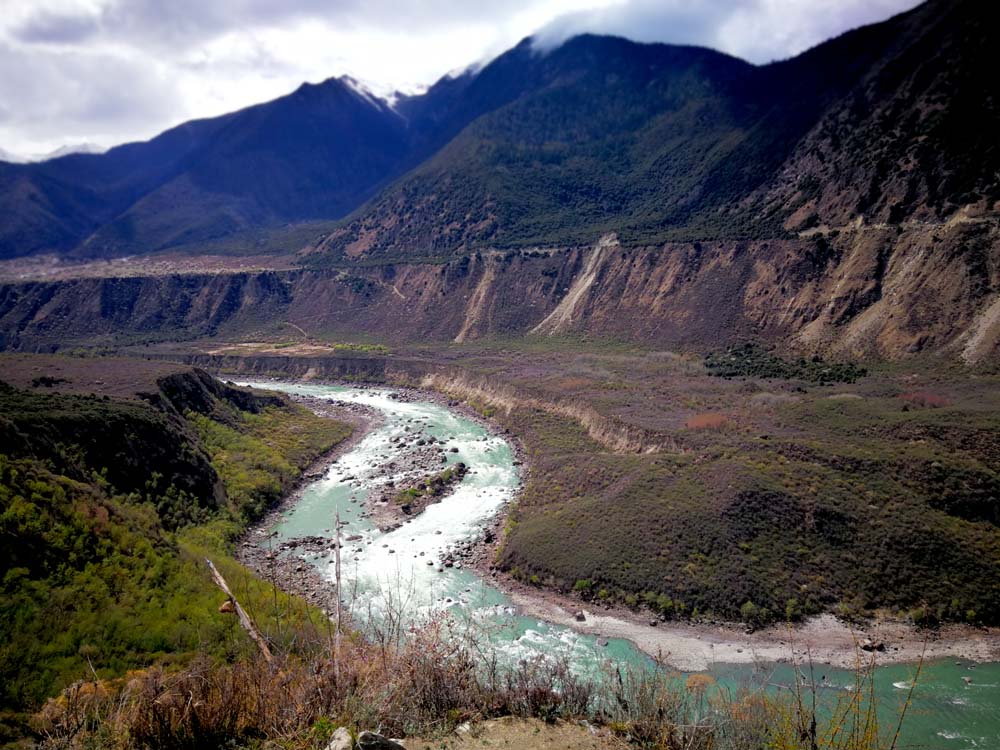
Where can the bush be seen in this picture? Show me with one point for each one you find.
(750, 360)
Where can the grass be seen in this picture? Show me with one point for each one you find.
(766, 524)
(431, 682)
(263, 453)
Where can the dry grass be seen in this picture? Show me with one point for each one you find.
(924, 399)
(707, 421)
(427, 684)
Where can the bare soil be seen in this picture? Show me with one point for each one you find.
(526, 734)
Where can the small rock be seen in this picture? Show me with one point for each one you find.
(580, 617)
(372, 741)
(341, 740)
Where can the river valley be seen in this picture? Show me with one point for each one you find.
(411, 572)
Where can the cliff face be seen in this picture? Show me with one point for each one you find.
(863, 290)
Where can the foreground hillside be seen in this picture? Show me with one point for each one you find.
(105, 598)
(117, 478)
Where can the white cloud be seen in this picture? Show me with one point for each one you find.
(759, 31)
(106, 71)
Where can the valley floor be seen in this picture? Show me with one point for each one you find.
(692, 646)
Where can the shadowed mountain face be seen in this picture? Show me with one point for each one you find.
(653, 142)
(314, 153)
(656, 143)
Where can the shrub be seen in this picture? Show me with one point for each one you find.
(707, 421)
(924, 399)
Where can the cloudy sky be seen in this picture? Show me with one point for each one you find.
(109, 71)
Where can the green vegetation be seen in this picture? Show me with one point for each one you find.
(367, 348)
(108, 508)
(753, 361)
(262, 453)
(879, 496)
(762, 531)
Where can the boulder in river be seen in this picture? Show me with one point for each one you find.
(580, 617)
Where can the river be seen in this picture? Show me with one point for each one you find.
(956, 703)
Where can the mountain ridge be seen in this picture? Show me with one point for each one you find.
(654, 142)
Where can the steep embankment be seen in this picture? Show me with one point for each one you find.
(860, 290)
(117, 478)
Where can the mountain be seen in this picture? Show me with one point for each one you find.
(886, 123)
(310, 154)
(654, 142)
(317, 153)
(844, 201)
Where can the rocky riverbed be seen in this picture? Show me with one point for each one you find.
(411, 458)
(284, 563)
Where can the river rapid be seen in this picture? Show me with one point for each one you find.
(401, 573)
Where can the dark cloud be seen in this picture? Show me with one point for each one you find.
(56, 28)
(646, 21)
(186, 23)
(66, 97)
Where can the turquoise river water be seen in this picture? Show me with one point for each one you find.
(398, 571)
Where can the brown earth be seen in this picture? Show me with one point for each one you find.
(862, 291)
(529, 734)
